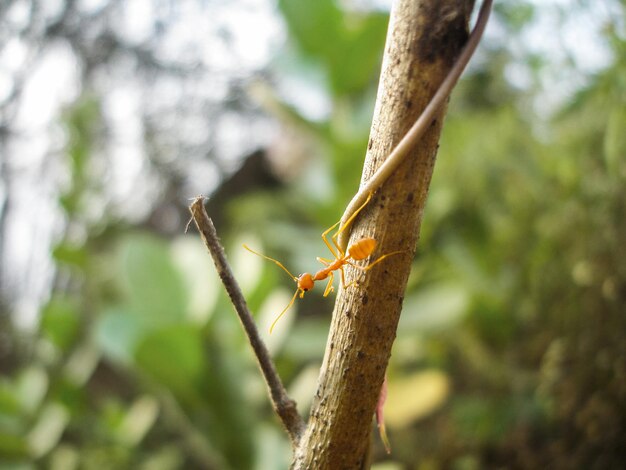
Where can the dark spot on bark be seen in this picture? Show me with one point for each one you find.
(348, 313)
(360, 354)
(445, 33)
(332, 345)
(365, 300)
(369, 144)
(408, 103)
(409, 197)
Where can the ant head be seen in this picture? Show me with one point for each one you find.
(305, 282)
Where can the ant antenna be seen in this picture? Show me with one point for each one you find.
(278, 263)
(273, 261)
(293, 299)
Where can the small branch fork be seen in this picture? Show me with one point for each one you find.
(284, 406)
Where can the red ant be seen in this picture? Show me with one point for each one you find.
(356, 252)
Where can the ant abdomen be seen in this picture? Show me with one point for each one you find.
(362, 248)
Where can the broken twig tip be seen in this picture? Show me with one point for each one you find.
(194, 202)
(199, 198)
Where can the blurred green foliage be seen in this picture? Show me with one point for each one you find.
(510, 351)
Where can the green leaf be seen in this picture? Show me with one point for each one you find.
(70, 254)
(306, 340)
(349, 45)
(60, 321)
(47, 431)
(316, 26)
(230, 411)
(9, 399)
(483, 420)
(117, 333)
(434, 308)
(31, 387)
(12, 447)
(154, 286)
(466, 262)
(274, 452)
(138, 420)
(356, 61)
(174, 357)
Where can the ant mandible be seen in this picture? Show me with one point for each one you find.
(359, 250)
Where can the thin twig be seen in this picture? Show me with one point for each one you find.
(284, 406)
(422, 123)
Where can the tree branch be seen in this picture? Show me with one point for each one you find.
(424, 39)
(284, 406)
(412, 137)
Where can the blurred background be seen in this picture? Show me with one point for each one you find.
(118, 348)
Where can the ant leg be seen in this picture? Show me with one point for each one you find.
(324, 261)
(329, 286)
(371, 265)
(343, 278)
(356, 266)
(324, 235)
(374, 263)
(336, 250)
(348, 223)
(283, 312)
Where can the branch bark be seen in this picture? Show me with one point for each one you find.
(284, 406)
(423, 41)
